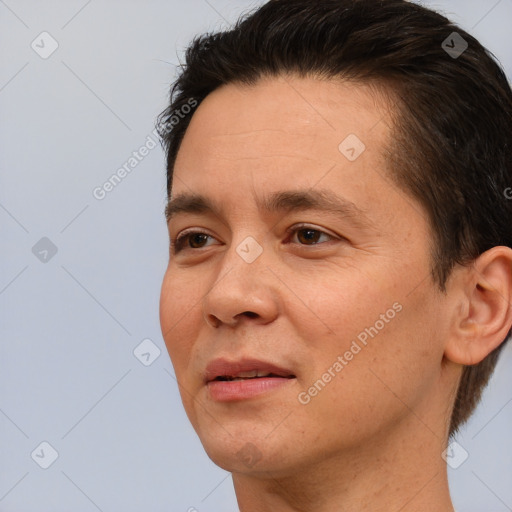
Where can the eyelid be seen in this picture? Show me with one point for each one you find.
(312, 227)
(190, 231)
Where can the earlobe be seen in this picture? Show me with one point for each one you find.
(482, 323)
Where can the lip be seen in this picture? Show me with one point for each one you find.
(222, 367)
(224, 391)
(230, 391)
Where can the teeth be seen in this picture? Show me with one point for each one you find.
(252, 373)
(247, 375)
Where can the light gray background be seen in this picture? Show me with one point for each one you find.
(68, 374)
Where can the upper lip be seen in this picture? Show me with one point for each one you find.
(224, 368)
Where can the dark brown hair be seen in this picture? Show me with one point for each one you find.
(451, 147)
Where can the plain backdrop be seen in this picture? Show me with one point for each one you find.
(83, 367)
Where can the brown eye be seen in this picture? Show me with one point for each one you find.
(308, 235)
(189, 241)
(197, 238)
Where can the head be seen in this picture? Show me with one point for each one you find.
(419, 273)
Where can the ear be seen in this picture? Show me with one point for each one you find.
(484, 316)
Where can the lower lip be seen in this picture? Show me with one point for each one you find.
(227, 391)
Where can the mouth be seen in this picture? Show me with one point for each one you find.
(224, 370)
(243, 379)
(255, 374)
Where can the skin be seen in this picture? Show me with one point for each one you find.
(372, 438)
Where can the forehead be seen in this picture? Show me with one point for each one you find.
(306, 125)
(248, 141)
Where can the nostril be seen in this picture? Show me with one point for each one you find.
(250, 314)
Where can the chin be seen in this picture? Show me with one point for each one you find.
(240, 453)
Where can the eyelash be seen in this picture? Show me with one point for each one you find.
(177, 244)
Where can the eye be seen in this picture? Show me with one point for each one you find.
(307, 235)
(178, 244)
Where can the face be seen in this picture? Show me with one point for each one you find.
(335, 302)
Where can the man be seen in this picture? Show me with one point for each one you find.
(340, 275)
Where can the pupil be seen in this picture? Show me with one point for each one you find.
(312, 234)
(196, 236)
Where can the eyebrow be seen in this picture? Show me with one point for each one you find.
(279, 202)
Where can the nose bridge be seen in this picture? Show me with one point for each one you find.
(249, 250)
(244, 260)
(240, 286)
(247, 238)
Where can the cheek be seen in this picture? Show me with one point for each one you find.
(378, 384)
(387, 342)
(338, 305)
(180, 316)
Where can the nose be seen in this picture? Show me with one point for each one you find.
(243, 292)
(216, 321)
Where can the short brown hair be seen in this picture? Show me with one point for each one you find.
(452, 140)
